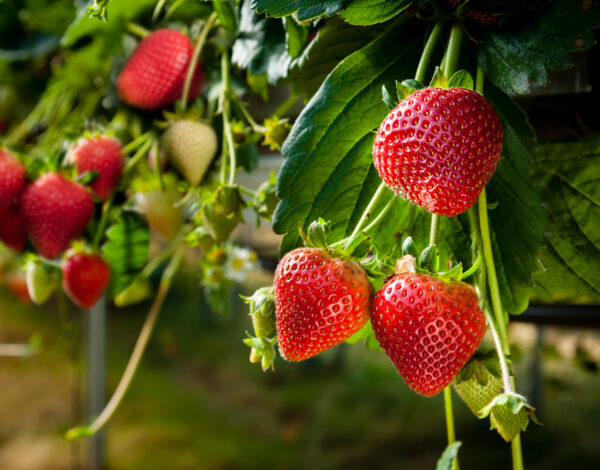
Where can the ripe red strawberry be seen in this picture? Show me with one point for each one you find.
(104, 155)
(438, 148)
(85, 277)
(190, 147)
(429, 328)
(155, 74)
(319, 300)
(12, 178)
(55, 210)
(12, 228)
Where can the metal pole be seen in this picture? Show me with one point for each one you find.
(96, 353)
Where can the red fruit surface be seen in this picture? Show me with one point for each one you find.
(56, 211)
(154, 76)
(438, 148)
(104, 155)
(12, 228)
(12, 178)
(429, 328)
(320, 301)
(85, 277)
(17, 283)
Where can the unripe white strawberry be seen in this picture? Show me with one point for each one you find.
(190, 147)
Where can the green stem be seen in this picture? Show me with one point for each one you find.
(136, 355)
(435, 229)
(226, 74)
(133, 161)
(453, 49)
(135, 143)
(136, 29)
(517, 453)
(197, 50)
(427, 51)
(102, 224)
(381, 214)
(242, 107)
(286, 105)
(159, 6)
(367, 213)
(450, 421)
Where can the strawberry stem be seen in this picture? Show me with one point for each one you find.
(136, 355)
(435, 229)
(226, 93)
(427, 51)
(143, 151)
(286, 105)
(368, 211)
(194, 62)
(136, 29)
(450, 421)
(102, 224)
(453, 51)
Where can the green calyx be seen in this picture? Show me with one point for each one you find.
(223, 212)
(262, 312)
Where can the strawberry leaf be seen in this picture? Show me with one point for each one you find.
(126, 250)
(461, 79)
(368, 12)
(448, 456)
(514, 59)
(572, 193)
(304, 9)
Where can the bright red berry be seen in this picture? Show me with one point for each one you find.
(438, 148)
(56, 211)
(12, 178)
(154, 76)
(104, 155)
(12, 228)
(429, 328)
(320, 301)
(85, 277)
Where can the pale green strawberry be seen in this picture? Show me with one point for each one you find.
(190, 148)
(162, 212)
(478, 384)
(42, 280)
(140, 289)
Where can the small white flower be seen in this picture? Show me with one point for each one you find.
(239, 262)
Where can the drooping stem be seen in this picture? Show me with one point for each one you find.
(453, 51)
(136, 29)
(427, 51)
(367, 213)
(136, 356)
(381, 214)
(242, 107)
(435, 229)
(143, 151)
(194, 62)
(226, 74)
(286, 105)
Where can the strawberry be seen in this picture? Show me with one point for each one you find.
(161, 212)
(55, 210)
(104, 155)
(12, 178)
(479, 387)
(154, 76)
(42, 280)
(190, 147)
(16, 282)
(438, 148)
(12, 228)
(428, 327)
(85, 277)
(320, 301)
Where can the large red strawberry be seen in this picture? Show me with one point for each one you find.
(85, 277)
(319, 300)
(12, 178)
(428, 327)
(12, 228)
(104, 155)
(56, 210)
(155, 74)
(438, 148)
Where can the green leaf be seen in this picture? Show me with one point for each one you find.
(260, 46)
(121, 11)
(514, 59)
(448, 456)
(368, 12)
(367, 334)
(405, 88)
(227, 14)
(461, 79)
(126, 250)
(325, 51)
(295, 37)
(388, 99)
(439, 80)
(572, 261)
(304, 9)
